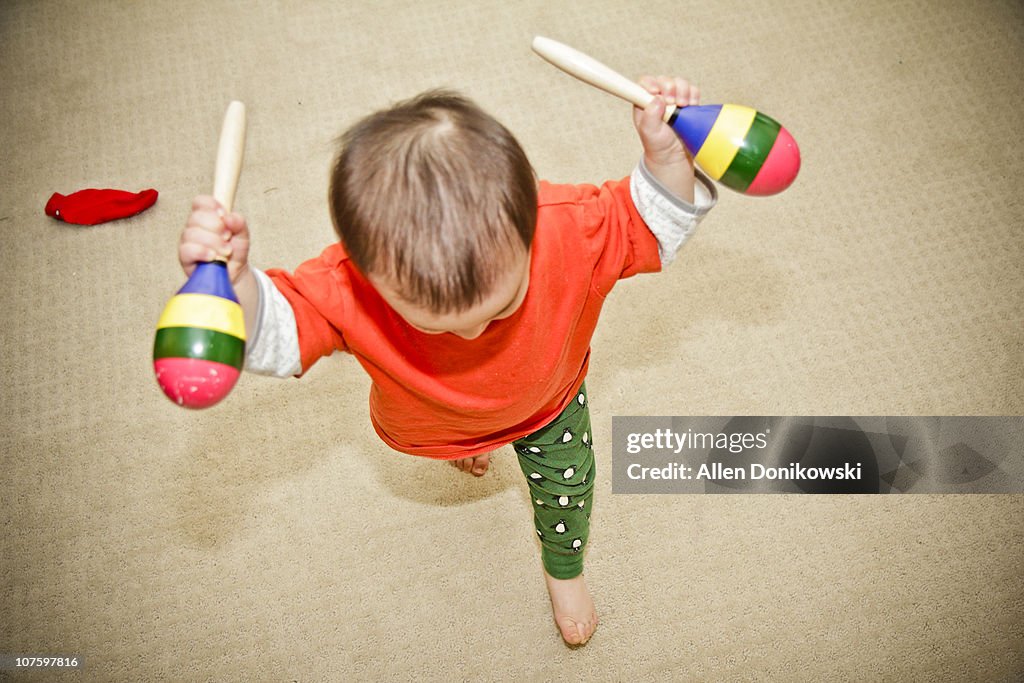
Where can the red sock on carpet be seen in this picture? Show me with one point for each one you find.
(89, 207)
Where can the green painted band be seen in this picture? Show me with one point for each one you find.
(199, 342)
(751, 155)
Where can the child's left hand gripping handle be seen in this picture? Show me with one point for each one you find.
(229, 155)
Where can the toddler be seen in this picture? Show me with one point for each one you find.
(469, 292)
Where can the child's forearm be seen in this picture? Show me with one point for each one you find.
(677, 176)
(247, 291)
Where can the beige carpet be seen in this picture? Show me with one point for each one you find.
(275, 538)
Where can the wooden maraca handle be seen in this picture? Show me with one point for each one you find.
(591, 71)
(230, 151)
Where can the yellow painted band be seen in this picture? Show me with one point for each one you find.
(206, 311)
(724, 139)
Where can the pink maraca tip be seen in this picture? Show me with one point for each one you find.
(780, 167)
(193, 382)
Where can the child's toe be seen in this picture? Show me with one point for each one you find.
(574, 633)
(570, 631)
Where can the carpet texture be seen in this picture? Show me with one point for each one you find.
(274, 537)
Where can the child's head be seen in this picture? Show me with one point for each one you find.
(436, 204)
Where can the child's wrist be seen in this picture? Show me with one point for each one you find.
(243, 273)
(672, 164)
(677, 175)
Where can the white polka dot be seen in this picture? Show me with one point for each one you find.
(568, 473)
(567, 437)
(560, 527)
(580, 504)
(534, 449)
(540, 502)
(576, 543)
(535, 475)
(563, 501)
(581, 399)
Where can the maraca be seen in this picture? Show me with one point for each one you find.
(200, 338)
(739, 147)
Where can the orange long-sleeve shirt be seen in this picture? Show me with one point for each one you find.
(441, 396)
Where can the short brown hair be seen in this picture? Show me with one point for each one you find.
(435, 194)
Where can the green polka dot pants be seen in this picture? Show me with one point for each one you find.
(558, 461)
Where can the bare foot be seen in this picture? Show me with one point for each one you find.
(476, 466)
(573, 608)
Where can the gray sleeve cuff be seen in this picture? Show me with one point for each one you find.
(670, 218)
(274, 347)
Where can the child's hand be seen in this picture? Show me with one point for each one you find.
(661, 144)
(664, 153)
(210, 234)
